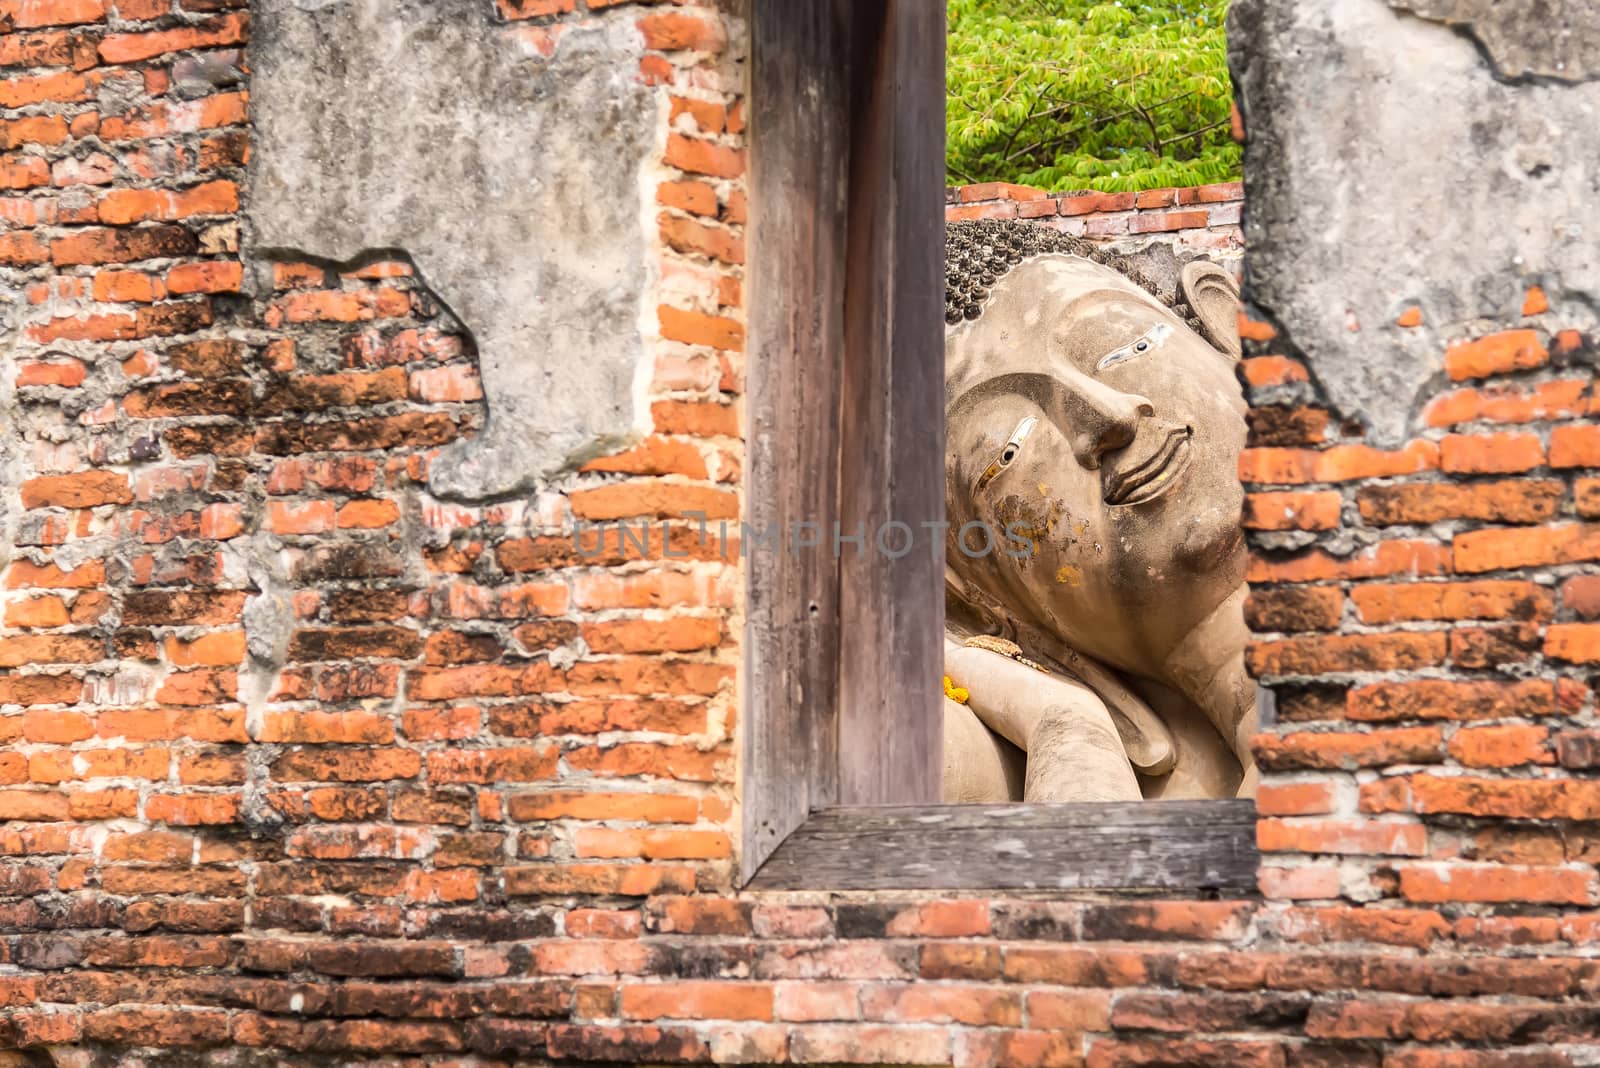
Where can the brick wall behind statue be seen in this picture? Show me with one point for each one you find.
(1201, 220)
(474, 806)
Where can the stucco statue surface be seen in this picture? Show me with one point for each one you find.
(1095, 583)
(510, 166)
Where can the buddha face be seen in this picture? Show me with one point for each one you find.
(1087, 418)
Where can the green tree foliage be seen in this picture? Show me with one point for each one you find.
(1089, 94)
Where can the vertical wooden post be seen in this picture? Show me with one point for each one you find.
(799, 151)
(843, 643)
(892, 458)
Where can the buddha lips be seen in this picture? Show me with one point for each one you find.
(1152, 477)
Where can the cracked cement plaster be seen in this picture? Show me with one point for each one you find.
(514, 181)
(1556, 39)
(1388, 165)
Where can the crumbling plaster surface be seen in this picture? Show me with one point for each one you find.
(1558, 39)
(512, 178)
(1389, 165)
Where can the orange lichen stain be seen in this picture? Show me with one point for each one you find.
(1535, 303)
(1411, 317)
(1068, 575)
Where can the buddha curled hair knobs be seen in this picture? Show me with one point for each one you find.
(978, 254)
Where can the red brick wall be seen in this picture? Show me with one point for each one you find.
(1203, 219)
(404, 833)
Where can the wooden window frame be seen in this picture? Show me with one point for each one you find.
(840, 769)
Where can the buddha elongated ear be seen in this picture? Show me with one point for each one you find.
(1213, 297)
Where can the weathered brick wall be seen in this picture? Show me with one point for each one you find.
(1423, 616)
(472, 804)
(1200, 219)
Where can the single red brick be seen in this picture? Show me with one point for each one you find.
(606, 843)
(1501, 747)
(1581, 594)
(1316, 655)
(1412, 559)
(1578, 643)
(1412, 745)
(680, 634)
(1500, 798)
(22, 250)
(369, 514)
(941, 919)
(1341, 836)
(1254, 330)
(1187, 1053)
(300, 517)
(697, 1000)
(1292, 511)
(217, 649)
(1294, 608)
(121, 206)
(531, 9)
(999, 209)
(1484, 454)
(1423, 503)
(627, 880)
(672, 31)
(1379, 604)
(698, 156)
(1560, 399)
(132, 47)
(1295, 798)
(1307, 882)
(597, 805)
(1498, 883)
(693, 196)
(1341, 463)
(648, 497)
(17, 92)
(1415, 928)
(697, 328)
(1510, 350)
(86, 489)
(1505, 549)
(215, 276)
(1453, 699)
(1575, 446)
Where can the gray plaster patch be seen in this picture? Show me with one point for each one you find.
(1557, 39)
(1387, 166)
(514, 181)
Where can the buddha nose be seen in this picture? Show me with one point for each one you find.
(1099, 419)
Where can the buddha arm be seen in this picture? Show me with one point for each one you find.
(980, 767)
(1073, 748)
(1219, 685)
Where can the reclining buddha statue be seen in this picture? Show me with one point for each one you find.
(1095, 563)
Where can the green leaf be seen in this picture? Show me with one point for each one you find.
(1101, 94)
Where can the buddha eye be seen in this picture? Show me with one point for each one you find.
(1009, 452)
(1151, 340)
